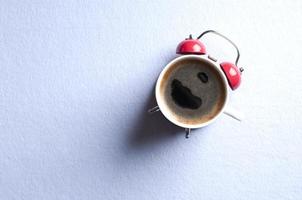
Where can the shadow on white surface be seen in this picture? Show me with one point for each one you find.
(152, 129)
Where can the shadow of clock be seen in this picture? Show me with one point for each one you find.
(152, 129)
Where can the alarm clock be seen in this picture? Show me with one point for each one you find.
(192, 90)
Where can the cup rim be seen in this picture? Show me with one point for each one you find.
(160, 100)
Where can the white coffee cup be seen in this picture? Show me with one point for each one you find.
(162, 105)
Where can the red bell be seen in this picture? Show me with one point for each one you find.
(191, 46)
(233, 74)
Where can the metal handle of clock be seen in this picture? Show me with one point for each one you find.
(230, 41)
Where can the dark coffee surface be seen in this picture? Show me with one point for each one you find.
(193, 91)
(183, 96)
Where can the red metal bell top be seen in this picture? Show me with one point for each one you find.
(232, 73)
(191, 46)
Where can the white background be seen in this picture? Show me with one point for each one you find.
(76, 79)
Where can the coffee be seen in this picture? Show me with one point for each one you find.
(193, 91)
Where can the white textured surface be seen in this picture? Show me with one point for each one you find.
(77, 77)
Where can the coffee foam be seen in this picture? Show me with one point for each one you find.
(213, 93)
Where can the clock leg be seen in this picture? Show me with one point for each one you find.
(188, 131)
(153, 110)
